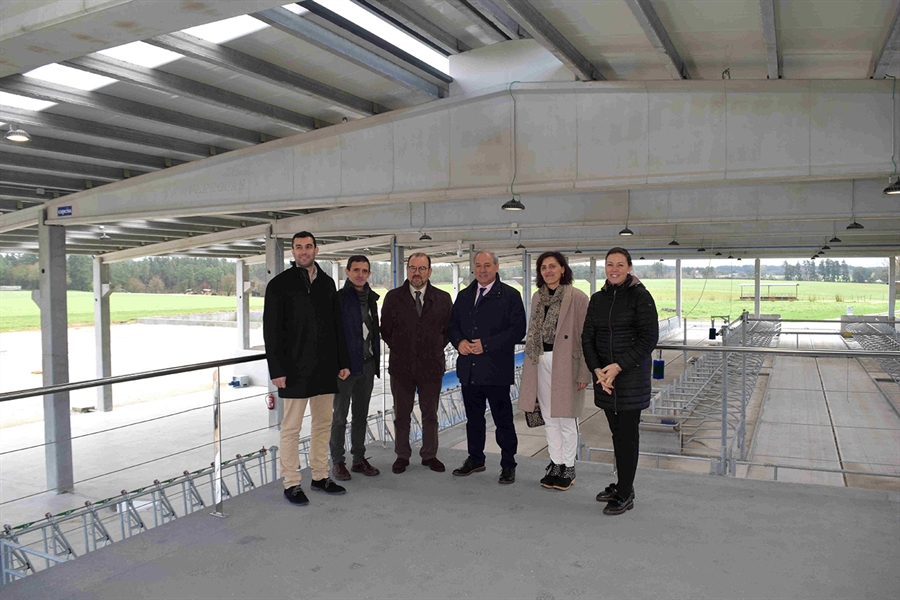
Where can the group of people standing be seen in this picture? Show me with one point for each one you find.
(323, 349)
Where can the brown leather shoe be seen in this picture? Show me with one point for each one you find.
(365, 468)
(434, 464)
(400, 465)
(340, 471)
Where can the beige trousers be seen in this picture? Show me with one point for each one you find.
(320, 409)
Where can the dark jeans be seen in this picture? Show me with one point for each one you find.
(626, 437)
(404, 391)
(356, 390)
(474, 397)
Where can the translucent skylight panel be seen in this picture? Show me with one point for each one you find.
(14, 101)
(69, 77)
(295, 8)
(401, 39)
(226, 30)
(142, 54)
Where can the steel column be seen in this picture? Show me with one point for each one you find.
(274, 266)
(678, 289)
(396, 264)
(593, 275)
(756, 273)
(101, 333)
(455, 271)
(892, 288)
(242, 291)
(471, 263)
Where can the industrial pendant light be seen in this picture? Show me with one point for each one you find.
(893, 189)
(17, 135)
(627, 232)
(854, 224)
(513, 204)
(425, 238)
(674, 241)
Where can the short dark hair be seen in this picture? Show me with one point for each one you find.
(304, 234)
(358, 258)
(621, 251)
(418, 255)
(566, 278)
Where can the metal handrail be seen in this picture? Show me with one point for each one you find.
(89, 383)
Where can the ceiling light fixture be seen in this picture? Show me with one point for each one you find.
(520, 246)
(513, 204)
(674, 241)
(826, 247)
(642, 258)
(103, 234)
(718, 254)
(731, 256)
(739, 258)
(626, 232)
(893, 189)
(425, 238)
(854, 224)
(17, 135)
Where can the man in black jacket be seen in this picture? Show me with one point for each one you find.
(488, 320)
(307, 353)
(359, 306)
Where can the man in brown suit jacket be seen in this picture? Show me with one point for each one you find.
(414, 322)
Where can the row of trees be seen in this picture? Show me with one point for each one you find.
(178, 274)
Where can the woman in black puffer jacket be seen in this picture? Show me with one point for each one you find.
(620, 331)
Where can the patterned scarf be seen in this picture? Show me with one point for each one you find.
(543, 328)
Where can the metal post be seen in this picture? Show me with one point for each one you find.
(274, 266)
(336, 273)
(242, 291)
(743, 428)
(593, 275)
(455, 271)
(892, 289)
(678, 289)
(471, 263)
(526, 285)
(724, 454)
(756, 288)
(217, 448)
(101, 333)
(51, 298)
(396, 264)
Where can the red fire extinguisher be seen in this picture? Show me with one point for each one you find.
(270, 401)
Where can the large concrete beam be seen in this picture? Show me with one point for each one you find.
(36, 33)
(570, 137)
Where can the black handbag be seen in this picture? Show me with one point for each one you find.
(535, 418)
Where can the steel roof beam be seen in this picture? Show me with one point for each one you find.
(767, 20)
(28, 195)
(9, 205)
(237, 61)
(317, 10)
(38, 180)
(405, 17)
(485, 31)
(550, 38)
(651, 24)
(180, 245)
(310, 32)
(64, 167)
(33, 88)
(156, 79)
(123, 158)
(102, 130)
(890, 54)
(20, 219)
(502, 21)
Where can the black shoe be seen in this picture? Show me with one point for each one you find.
(328, 486)
(296, 496)
(619, 504)
(566, 478)
(467, 468)
(552, 472)
(609, 494)
(507, 476)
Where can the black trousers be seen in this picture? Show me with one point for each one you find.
(355, 391)
(624, 426)
(404, 391)
(474, 398)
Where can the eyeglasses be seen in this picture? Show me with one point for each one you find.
(413, 269)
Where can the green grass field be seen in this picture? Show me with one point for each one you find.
(817, 301)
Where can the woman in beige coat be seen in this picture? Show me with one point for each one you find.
(554, 374)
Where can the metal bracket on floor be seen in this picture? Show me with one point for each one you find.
(130, 515)
(59, 545)
(245, 482)
(95, 529)
(166, 512)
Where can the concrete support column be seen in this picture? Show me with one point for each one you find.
(101, 333)
(471, 263)
(242, 291)
(678, 289)
(892, 288)
(593, 275)
(336, 273)
(274, 266)
(398, 267)
(455, 270)
(51, 298)
(756, 288)
(526, 286)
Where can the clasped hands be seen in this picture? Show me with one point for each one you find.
(607, 375)
(474, 347)
(281, 382)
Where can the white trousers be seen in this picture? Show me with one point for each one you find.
(562, 432)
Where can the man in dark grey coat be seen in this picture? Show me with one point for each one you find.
(488, 320)
(307, 353)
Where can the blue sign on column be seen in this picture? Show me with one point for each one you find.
(64, 211)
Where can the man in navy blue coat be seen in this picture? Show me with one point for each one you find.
(487, 321)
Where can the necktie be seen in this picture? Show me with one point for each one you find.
(419, 303)
(480, 296)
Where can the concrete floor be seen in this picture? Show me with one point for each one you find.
(430, 535)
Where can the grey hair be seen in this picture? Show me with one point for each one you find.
(493, 256)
